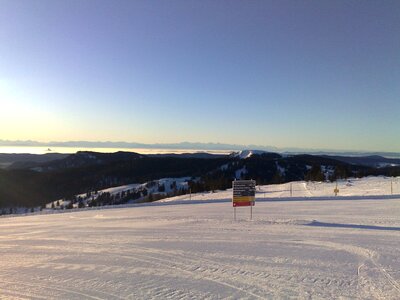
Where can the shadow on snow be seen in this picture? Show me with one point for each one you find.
(353, 226)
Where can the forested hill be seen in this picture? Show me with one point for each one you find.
(37, 183)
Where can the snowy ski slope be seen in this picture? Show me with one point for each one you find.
(309, 246)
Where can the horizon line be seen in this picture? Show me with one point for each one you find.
(185, 145)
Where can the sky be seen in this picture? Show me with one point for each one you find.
(307, 74)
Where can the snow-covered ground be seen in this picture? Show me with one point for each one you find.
(310, 246)
(362, 188)
(169, 185)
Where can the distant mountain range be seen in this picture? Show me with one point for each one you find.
(194, 146)
(64, 161)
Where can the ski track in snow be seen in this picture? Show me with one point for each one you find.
(291, 249)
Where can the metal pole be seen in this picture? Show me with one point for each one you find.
(391, 186)
(190, 194)
(251, 212)
(291, 190)
(336, 189)
(234, 213)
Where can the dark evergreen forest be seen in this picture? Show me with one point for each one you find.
(30, 185)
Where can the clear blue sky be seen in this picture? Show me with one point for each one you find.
(310, 74)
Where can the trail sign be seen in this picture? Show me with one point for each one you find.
(244, 193)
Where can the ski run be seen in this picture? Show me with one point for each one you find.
(302, 243)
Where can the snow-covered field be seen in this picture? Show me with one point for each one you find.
(363, 188)
(310, 246)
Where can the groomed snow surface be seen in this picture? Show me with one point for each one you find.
(309, 246)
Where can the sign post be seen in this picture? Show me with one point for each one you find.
(336, 190)
(244, 194)
(391, 186)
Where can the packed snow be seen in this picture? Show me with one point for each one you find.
(311, 245)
